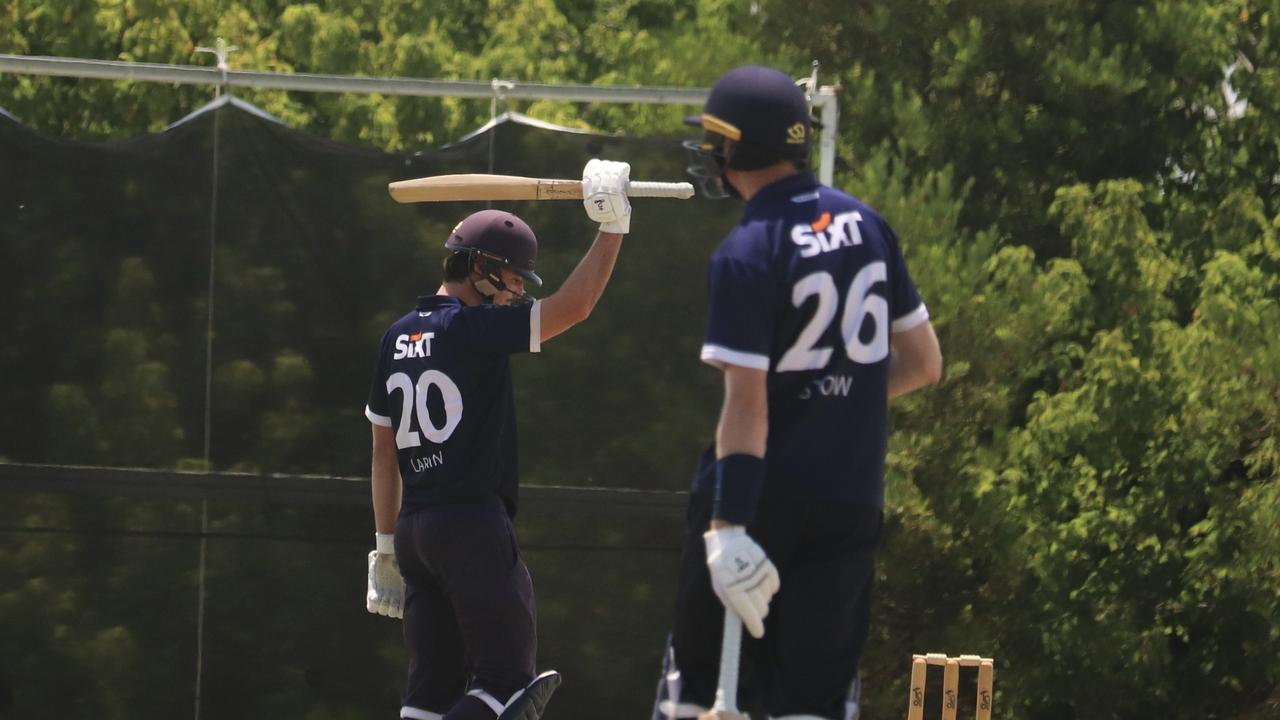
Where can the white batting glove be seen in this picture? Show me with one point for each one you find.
(386, 585)
(742, 576)
(604, 195)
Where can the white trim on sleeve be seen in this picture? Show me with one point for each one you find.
(719, 355)
(911, 319)
(535, 327)
(375, 418)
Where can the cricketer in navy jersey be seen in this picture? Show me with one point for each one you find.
(815, 324)
(443, 382)
(445, 465)
(809, 286)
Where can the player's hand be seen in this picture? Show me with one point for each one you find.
(386, 585)
(604, 194)
(742, 576)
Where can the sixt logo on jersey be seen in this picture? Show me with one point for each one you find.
(827, 233)
(413, 346)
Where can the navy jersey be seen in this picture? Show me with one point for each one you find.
(443, 383)
(809, 286)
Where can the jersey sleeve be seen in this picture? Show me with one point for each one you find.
(378, 409)
(906, 308)
(502, 329)
(740, 314)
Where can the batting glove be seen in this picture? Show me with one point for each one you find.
(604, 195)
(742, 576)
(386, 585)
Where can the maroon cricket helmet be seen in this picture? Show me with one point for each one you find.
(499, 236)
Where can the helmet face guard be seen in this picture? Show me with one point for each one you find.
(490, 282)
(707, 163)
(710, 157)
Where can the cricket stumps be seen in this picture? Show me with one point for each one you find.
(951, 684)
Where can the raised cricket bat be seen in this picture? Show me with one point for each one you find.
(726, 705)
(440, 188)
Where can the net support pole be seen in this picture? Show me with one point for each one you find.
(826, 101)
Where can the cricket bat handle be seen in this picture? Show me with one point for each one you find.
(572, 189)
(477, 186)
(730, 650)
(642, 188)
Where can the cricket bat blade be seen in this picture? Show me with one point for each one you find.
(478, 186)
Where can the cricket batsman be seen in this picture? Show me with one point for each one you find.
(445, 468)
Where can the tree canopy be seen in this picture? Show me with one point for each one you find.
(1088, 196)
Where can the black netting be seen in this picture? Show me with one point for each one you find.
(104, 309)
(105, 267)
(100, 591)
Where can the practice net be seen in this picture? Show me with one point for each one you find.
(184, 460)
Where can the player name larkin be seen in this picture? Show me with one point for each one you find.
(433, 460)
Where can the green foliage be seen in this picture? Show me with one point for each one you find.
(1095, 228)
(634, 42)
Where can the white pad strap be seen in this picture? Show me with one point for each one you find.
(415, 714)
(490, 700)
(679, 710)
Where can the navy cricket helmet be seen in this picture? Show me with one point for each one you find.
(754, 117)
(497, 236)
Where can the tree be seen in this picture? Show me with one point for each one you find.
(1091, 218)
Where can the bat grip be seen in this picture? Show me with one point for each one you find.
(730, 650)
(681, 190)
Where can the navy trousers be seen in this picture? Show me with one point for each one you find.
(470, 613)
(817, 624)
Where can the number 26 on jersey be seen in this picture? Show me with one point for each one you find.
(860, 304)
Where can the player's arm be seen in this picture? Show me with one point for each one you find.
(577, 297)
(385, 474)
(604, 193)
(915, 360)
(744, 418)
(385, 594)
(741, 575)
